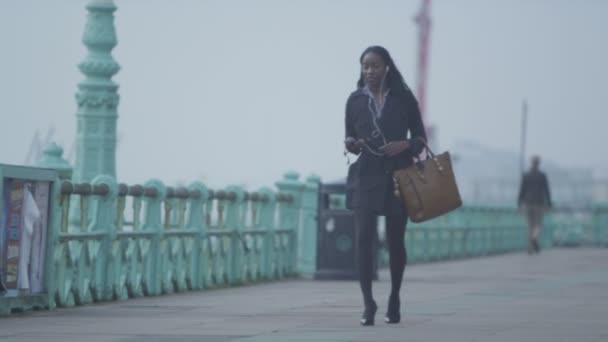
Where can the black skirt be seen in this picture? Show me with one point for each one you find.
(379, 200)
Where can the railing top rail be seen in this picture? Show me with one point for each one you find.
(84, 189)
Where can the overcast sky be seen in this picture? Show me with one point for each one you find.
(239, 92)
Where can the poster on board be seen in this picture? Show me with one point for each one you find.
(23, 236)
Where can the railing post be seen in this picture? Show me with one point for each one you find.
(234, 222)
(103, 220)
(267, 222)
(307, 242)
(153, 223)
(598, 221)
(289, 217)
(119, 273)
(177, 244)
(54, 227)
(602, 225)
(79, 252)
(63, 267)
(199, 195)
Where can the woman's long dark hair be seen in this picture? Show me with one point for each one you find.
(393, 80)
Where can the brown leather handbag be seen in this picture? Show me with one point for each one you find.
(428, 187)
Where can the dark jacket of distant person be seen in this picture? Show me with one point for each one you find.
(534, 190)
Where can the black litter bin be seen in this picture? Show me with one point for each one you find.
(336, 236)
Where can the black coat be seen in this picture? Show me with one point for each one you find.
(369, 181)
(534, 190)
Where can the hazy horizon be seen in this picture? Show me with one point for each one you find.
(242, 91)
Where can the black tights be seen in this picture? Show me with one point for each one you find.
(395, 238)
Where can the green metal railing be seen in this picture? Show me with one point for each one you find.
(130, 241)
(579, 226)
(467, 232)
(174, 239)
(473, 231)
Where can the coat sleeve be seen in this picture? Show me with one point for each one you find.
(416, 126)
(547, 191)
(522, 191)
(350, 131)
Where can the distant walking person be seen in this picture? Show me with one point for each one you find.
(535, 200)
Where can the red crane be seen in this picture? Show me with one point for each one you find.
(423, 21)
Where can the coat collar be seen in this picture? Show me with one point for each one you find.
(358, 92)
(365, 92)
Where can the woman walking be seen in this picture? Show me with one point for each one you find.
(379, 115)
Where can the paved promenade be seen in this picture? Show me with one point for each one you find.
(560, 295)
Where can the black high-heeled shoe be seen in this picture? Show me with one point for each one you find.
(369, 314)
(393, 314)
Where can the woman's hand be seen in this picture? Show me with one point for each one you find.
(353, 145)
(393, 148)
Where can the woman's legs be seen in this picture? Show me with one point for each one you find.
(395, 238)
(365, 223)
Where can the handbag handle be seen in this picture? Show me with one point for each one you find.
(431, 155)
(429, 152)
